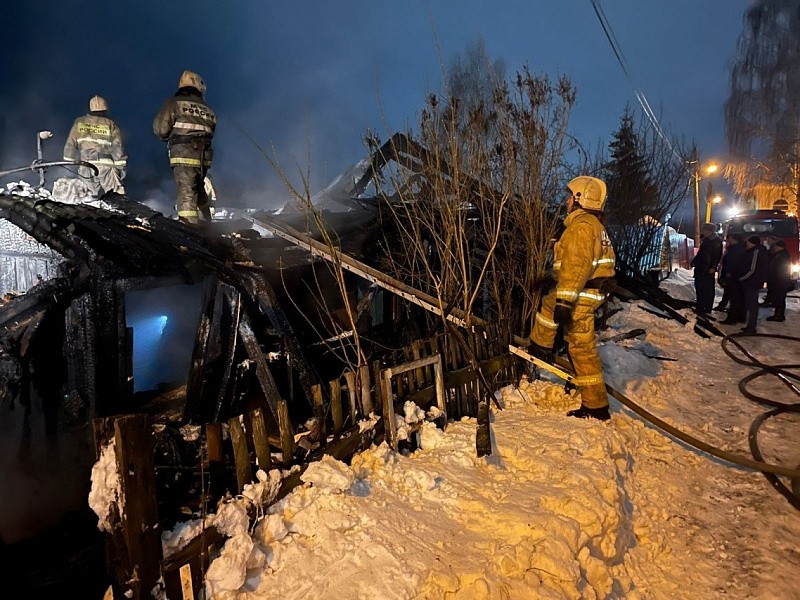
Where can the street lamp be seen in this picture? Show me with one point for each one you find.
(709, 169)
(710, 201)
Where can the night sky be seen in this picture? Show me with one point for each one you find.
(313, 76)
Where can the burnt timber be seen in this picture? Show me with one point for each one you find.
(108, 252)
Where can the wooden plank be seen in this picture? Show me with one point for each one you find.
(403, 388)
(230, 316)
(287, 432)
(319, 411)
(441, 403)
(260, 443)
(366, 398)
(419, 374)
(384, 384)
(133, 443)
(348, 263)
(195, 386)
(194, 557)
(241, 456)
(198, 571)
(216, 461)
(433, 343)
(116, 551)
(352, 394)
(483, 437)
(263, 373)
(336, 406)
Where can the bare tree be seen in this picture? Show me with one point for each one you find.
(472, 208)
(762, 113)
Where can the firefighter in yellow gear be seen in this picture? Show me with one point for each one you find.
(187, 124)
(95, 138)
(583, 261)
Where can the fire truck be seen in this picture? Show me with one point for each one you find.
(765, 223)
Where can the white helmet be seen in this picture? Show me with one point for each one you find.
(192, 79)
(589, 192)
(97, 104)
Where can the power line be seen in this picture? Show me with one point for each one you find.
(640, 97)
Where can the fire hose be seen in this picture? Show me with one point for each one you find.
(564, 371)
(789, 379)
(36, 165)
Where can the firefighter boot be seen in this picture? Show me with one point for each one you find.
(584, 412)
(779, 316)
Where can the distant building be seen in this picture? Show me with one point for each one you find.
(775, 196)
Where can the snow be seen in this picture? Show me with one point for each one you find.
(563, 507)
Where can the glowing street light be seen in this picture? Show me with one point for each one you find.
(711, 201)
(709, 169)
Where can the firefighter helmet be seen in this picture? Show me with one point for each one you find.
(97, 104)
(192, 79)
(589, 192)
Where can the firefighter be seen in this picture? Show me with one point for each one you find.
(95, 138)
(187, 124)
(583, 262)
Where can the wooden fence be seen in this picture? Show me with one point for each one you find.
(437, 372)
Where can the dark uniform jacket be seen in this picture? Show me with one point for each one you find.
(755, 265)
(733, 262)
(707, 257)
(779, 276)
(187, 124)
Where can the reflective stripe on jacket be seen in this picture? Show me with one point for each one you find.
(187, 123)
(582, 253)
(97, 139)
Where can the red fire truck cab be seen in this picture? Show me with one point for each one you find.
(765, 223)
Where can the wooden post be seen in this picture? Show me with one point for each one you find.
(336, 405)
(260, 442)
(319, 412)
(133, 444)
(366, 399)
(384, 386)
(244, 473)
(352, 394)
(376, 380)
(216, 461)
(287, 433)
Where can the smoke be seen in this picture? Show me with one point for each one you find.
(261, 84)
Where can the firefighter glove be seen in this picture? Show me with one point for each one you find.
(563, 312)
(545, 284)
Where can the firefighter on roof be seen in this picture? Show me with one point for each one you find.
(583, 261)
(187, 124)
(95, 138)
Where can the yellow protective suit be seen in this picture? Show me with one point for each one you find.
(583, 259)
(95, 138)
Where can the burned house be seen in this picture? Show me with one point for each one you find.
(138, 314)
(142, 314)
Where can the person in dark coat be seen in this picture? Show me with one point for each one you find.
(705, 265)
(732, 259)
(779, 279)
(768, 301)
(755, 260)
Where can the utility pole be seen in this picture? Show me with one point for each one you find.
(696, 161)
(709, 201)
